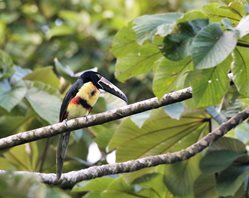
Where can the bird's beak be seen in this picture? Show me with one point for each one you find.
(106, 85)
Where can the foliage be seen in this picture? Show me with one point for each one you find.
(47, 44)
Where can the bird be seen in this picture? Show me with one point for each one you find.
(79, 101)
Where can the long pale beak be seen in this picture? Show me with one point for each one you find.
(112, 89)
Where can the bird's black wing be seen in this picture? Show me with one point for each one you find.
(69, 95)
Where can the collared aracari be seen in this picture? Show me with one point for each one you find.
(79, 101)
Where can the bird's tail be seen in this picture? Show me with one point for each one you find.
(61, 152)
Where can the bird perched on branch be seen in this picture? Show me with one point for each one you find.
(79, 101)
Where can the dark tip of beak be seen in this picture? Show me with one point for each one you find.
(107, 86)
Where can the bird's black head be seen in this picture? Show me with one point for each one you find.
(102, 83)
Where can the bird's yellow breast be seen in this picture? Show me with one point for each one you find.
(87, 92)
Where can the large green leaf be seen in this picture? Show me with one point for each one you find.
(210, 85)
(240, 70)
(147, 26)
(11, 95)
(152, 185)
(26, 186)
(44, 102)
(230, 180)
(45, 75)
(98, 184)
(211, 46)
(216, 161)
(170, 75)
(216, 12)
(23, 157)
(180, 177)
(205, 187)
(178, 45)
(159, 134)
(132, 59)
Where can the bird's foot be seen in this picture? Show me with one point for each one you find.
(65, 122)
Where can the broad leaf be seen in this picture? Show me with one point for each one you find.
(147, 26)
(98, 184)
(216, 12)
(216, 161)
(205, 187)
(241, 132)
(132, 59)
(211, 46)
(45, 103)
(192, 15)
(65, 71)
(178, 45)
(27, 186)
(210, 85)
(23, 157)
(45, 75)
(230, 180)
(240, 70)
(20, 73)
(10, 95)
(159, 134)
(180, 177)
(170, 75)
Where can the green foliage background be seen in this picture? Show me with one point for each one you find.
(152, 47)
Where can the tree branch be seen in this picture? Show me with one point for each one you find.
(71, 178)
(95, 119)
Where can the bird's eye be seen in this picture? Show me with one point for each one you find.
(92, 93)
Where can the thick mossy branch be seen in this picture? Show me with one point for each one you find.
(71, 178)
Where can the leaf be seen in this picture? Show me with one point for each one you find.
(132, 59)
(174, 110)
(216, 12)
(159, 134)
(20, 73)
(10, 95)
(210, 85)
(192, 15)
(147, 26)
(23, 157)
(98, 184)
(103, 134)
(26, 186)
(65, 71)
(205, 187)
(151, 185)
(6, 65)
(241, 132)
(43, 102)
(216, 161)
(226, 143)
(231, 179)
(170, 75)
(243, 26)
(45, 75)
(240, 70)
(177, 46)
(119, 187)
(211, 46)
(180, 177)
